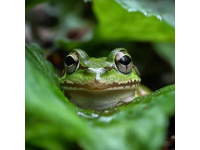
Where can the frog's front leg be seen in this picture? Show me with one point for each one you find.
(142, 91)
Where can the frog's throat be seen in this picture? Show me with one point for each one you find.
(101, 99)
(132, 84)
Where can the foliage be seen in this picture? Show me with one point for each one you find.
(53, 123)
(130, 24)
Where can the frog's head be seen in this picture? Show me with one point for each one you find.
(96, 77)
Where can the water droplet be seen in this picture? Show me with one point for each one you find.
(159, 17)
(105, 119)
(89, 116)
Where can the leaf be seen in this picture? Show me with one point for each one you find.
(162, 9)
(34, 54)
(116, 22)
(140, 124)
(49, 116)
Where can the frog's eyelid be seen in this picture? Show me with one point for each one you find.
(82, 54)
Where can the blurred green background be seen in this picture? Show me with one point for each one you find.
(53, 28)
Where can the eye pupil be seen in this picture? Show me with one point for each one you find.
(125, 60)
(69, 61)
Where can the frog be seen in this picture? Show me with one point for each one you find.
(101, 83)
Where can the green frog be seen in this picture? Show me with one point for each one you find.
(101, 83)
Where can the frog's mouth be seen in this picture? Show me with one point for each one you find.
(101, 86)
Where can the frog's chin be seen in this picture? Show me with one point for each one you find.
(100, 99)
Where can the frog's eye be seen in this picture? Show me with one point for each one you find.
(123, 62)
(71, 63)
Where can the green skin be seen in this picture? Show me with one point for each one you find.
(97, 83)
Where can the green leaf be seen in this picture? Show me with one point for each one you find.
(116, 22)
(49, 116)
(141, 124)
(162, 9)
(52, 122)
(34, 54)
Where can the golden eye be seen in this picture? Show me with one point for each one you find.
(123, 62)
(71, 63)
